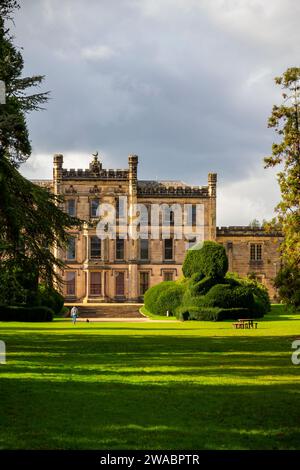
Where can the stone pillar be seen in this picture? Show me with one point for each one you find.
(212, 192)
(87, 286)
(87, 248)
(133, 290)
(132, 244)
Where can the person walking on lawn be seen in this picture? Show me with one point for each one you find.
(74, 314)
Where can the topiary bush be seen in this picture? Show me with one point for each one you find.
(195, 313)
(211, 313)
(232, 279)
(25, 314)
(208, 259)
(202, 286)
(169, 299)
(259, 291)
(226, 296)
(207, 292)
(190, 299)
(152, 295)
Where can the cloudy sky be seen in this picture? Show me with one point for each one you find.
(185, 84)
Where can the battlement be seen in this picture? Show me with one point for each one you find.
(170, 189)
(90, 174)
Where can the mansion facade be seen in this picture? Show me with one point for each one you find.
(121, 269)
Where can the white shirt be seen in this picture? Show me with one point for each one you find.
(74, 311)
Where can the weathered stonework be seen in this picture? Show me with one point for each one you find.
(105, 277)
(238, 241)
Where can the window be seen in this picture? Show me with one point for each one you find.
(172, 218)
(191, 242)
(121, 207)
(144, 248)
(95, 283)
(71, 250)
(71, 276)
(94, 207)
(120, 284)
(120, 248)
(255, 252)
(71, 207)
(95, 247)
(168, 216)
(168, 249)
(168, 276)
(144, 282)
(194, 215)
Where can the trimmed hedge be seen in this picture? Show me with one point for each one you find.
(225, 296)
(25, 314)
(208, 259)
(211, 313)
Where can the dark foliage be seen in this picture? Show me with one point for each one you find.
(25, 314)
(31, 224)
(14, 137)
(287, 282)
(51, 298)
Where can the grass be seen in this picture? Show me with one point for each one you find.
(192, 385)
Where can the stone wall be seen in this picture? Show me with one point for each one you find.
(238, 241)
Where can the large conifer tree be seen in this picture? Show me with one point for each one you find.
(31, 221)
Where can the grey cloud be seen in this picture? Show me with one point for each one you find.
(186, 85)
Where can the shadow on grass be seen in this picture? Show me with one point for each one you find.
(104, 415)
(141, 392)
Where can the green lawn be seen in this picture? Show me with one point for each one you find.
(192, 385)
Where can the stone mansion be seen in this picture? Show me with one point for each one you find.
(122, 269)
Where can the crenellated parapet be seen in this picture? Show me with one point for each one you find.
(90, 174)
(171, 189)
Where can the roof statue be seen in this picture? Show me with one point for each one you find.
(95, 165)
